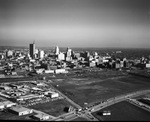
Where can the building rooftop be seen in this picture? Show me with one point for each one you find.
(40, 115)
(19, 109)
(6, 102)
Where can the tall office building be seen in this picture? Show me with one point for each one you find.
(32, 50)
(56, 50)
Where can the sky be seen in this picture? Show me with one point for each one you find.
(75, 23)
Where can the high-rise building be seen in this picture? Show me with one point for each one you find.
(41, 54)
(61, 56)
(9, 53)
(69, 54)
(56, 50)
(32, 50)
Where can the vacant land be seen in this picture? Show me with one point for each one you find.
(54, 108)
(99, 86)
(124, 111)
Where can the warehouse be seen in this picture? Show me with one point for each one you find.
(2, 106)
(41, 116)
(30, 96)
(52, 94)
(6, 104)
(19, 110)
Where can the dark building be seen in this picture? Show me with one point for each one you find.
(32, 50)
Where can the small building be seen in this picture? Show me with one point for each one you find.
(19, 110)
(30, 96)
(92, 64)
(2, 76)
(68, 109)
(6, 104)
(5, 88)
(2, 106)
(147, 65)
(13, 73)
(106, 113)
(41, 116)
(57, 71)
(49, 71)
(52, 94)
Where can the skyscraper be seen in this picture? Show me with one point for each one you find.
(32, 50)
(56, 50)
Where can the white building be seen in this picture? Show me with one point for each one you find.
(39, 71)
(68, 52)
(57, 71)
(56, 50)
(41, 116)
(61, 56)
(9, 53)
(52, 94)
(41, 54)
(30, 96)
(147, 65)
(2, 106)
(19, 110)
(49, 71)
(6, 104)
(1, 56)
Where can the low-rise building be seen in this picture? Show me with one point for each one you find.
(30, 96)
(6, 104)
(19, 110)
(49, 71)
(41, 116)
(60, 71)
(2, 106)
(52, 94)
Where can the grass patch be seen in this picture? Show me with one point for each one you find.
(124, 111)
(54, 108)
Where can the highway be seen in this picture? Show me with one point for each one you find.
(86, 112)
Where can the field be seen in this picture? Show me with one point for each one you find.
(54, 108)
(124, 111)
(91, 87)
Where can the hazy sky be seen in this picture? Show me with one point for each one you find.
(75, 23)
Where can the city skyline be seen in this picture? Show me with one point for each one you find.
(75, 23)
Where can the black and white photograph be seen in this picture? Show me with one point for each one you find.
(75, 60)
